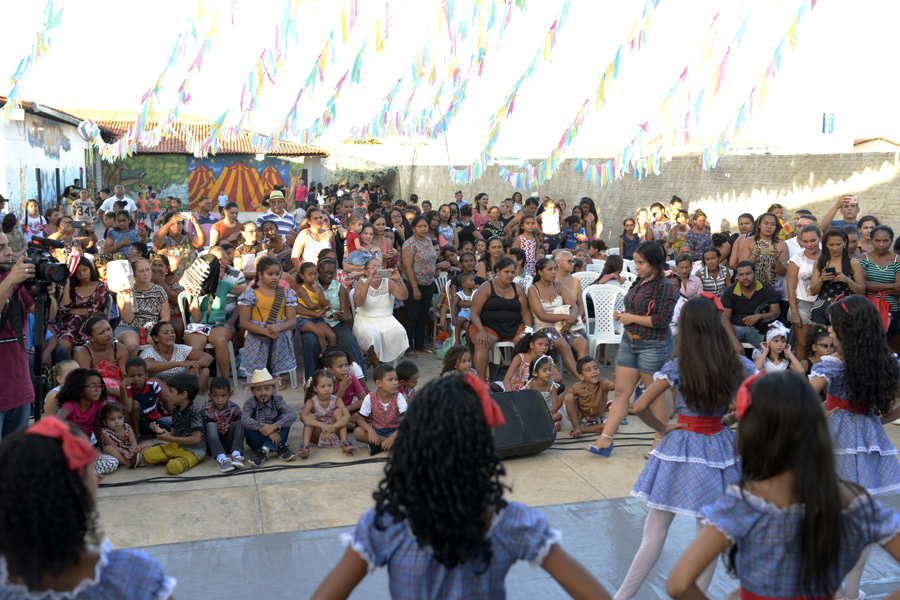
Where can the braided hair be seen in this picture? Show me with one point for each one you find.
(49, 515)
(444, 500)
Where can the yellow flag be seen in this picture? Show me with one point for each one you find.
(344, 24)
(379, 42)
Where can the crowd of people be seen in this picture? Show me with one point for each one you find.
(787, 327)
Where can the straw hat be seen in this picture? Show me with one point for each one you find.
(262, 377)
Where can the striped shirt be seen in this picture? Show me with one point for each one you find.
(285, 222)
(714, 285)
(878, 274)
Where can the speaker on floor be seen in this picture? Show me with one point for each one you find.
(529, 428)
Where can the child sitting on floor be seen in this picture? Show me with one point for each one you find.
(80, 399)
(457, 361)
(267, 419)
(775, 353)
(440, 523)
(324, 416)
(382, 411)
(185, 443)
(143, 397)
(540, 379)
(347, 386)
(586, 401)
(408, 376)
(118, 436)
(51, 401)
(224, 430)
(51, 545)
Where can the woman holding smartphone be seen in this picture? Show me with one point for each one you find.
(835, 274)
(769, 254)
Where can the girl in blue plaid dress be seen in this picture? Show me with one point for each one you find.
(694, 461)
(862, 381)
(791, 528)
(50, 546)
(440, 523)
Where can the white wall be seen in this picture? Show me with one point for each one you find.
(26, 147)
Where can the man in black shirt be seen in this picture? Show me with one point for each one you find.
(750, 305)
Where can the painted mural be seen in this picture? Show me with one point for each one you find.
(243, 179)
(48, 136)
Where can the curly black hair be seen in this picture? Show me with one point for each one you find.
(49, 515)
(72, 389)
(871, 372)
(444, 475)
(451, 358)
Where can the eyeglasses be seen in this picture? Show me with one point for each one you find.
(94, 386)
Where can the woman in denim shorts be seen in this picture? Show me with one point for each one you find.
(647, 342)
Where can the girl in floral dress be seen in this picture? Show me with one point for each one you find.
(324, 414)
(255, 305)
(527, 241)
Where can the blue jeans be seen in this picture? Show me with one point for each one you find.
(58, 355)
(14, 419)
(144, 423)
(552, 242)
(647, 356)
(345, 339)
(749, 335)
(256, 440)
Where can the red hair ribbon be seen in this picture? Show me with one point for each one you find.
(492, 413)
(744, 399)
(76, 449)
(715, 299)
(838, 299)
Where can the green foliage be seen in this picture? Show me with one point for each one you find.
(157, 170)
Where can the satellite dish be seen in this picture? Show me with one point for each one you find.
(84, 130)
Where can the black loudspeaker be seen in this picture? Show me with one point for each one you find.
(529, 428)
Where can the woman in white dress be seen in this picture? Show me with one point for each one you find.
(374, 325)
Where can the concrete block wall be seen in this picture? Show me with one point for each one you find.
(740, 183)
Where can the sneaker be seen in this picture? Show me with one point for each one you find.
(138, 461)
(237, 461)
(259, 457)
(225, 465)
(374, 449)
(285, 454)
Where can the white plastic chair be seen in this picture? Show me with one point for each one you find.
(586, 278)
(629, 267)
(442, 281)
(497, 352)
(612, 251)
(595, 267)
(602, 329)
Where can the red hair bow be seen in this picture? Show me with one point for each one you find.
(492, 413)
(744, 399)
(838, 299)
(715, 299)
(76, 449)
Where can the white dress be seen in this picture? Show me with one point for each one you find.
(375, 325)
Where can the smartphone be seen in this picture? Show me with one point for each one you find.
(766, 251)
(79, 224)
(384, 273)
(142, 226)
(186, 215)
(830, 270)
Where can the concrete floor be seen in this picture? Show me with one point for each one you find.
(202, 523)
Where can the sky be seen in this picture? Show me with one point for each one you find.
(107, 53)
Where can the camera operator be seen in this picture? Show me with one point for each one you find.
(17, 392)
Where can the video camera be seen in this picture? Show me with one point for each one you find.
(46, 268)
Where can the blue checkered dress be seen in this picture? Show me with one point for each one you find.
(518, 532)
(863, 453)
(688, 470)
(768, 557)
(120, 574)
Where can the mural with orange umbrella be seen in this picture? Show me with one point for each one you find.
(242, 184)
(243, 179)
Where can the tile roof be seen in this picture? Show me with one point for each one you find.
(116, 122)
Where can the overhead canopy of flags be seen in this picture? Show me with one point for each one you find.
(432, 88)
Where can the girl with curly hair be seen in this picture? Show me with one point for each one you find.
(50, 546)
(440, 522)
(790, 528)
(862, 381)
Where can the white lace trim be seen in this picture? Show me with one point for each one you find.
(826, 376)
(660, 375)
(168, 589)
(544, 550)
(693, 460)
(707, 522)
(761, 503)
(672, 509)
(875, 448)
(884, 490)
(104, 549)
(347, 540)
(888, 537)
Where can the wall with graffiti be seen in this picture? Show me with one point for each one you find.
(242, 178)
(31, 152)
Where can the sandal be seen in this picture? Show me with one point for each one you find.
(348, 448)
(303, 451)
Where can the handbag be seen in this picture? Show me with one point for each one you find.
(564, 310)
(879, 299)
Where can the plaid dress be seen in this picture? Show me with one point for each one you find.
(122, 574)
(517, 532)
(767, 539)
(256, 352)
(688, 470)
(863, 453)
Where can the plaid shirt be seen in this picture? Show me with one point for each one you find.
(639, 301)
(229, 414)
(256, 414)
